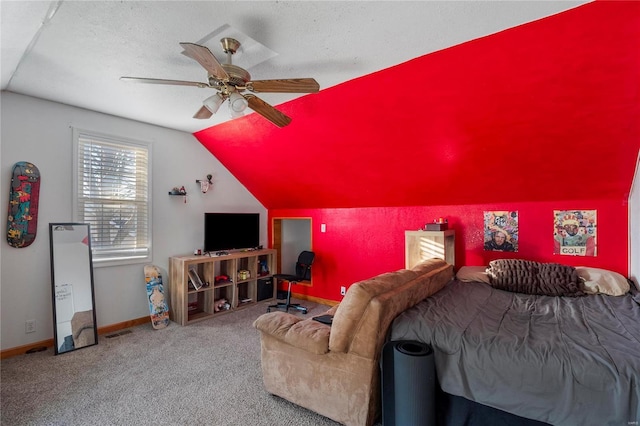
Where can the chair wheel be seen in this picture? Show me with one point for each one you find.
(268, 309)
(304, 312)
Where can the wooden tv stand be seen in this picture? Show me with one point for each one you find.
(189, 305)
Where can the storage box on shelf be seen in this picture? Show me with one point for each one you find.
(230, 282)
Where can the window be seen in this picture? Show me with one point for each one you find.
(112, 194)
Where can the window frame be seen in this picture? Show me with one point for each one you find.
(78, 134)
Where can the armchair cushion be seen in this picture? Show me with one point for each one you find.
(306, 334)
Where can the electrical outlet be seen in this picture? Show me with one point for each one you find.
(30, 326)
(343, 290)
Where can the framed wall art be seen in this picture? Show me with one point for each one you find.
(575, 232)
(501, 231)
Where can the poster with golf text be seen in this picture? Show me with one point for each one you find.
(575, 232)
(501, 231)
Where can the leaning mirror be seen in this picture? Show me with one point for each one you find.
(74, 315)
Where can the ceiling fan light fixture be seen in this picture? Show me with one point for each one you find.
(237, 104)
(212, 103)
(236, 114)
(230, 81)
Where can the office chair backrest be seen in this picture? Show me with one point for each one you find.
(303, 265)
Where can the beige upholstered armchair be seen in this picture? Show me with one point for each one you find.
(334, 370)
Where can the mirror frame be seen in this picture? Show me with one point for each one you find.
(86, 330)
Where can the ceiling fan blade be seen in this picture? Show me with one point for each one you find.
(291, 85)
(204, 57)
(164, 81)
(267, 111)
(203, 113)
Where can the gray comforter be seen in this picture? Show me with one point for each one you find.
(561, 360)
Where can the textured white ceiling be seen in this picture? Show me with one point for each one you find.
(74, 52)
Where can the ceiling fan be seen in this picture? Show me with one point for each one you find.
(231, 83)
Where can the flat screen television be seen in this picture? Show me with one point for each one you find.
(231, 231)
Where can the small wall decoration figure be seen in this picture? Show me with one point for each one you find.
(574, 232)
(501, 231)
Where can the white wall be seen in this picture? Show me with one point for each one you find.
(40, 132)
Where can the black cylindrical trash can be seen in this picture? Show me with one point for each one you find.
(408, 384)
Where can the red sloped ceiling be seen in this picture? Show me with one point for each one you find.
(544, 111)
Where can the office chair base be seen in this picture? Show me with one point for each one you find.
(286, 307)
(288, 303)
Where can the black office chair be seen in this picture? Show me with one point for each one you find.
(303, 273)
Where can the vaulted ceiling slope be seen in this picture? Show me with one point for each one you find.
(541, 112)
(74, 52)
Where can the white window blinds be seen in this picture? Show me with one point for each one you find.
(112, 195)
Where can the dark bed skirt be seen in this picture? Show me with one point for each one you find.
(458, 411)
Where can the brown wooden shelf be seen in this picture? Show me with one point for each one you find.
(209, 267)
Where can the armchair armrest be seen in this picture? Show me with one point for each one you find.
(307, 334)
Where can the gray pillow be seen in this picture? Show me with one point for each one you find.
(468, 274)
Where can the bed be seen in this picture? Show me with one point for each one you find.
(563, 355)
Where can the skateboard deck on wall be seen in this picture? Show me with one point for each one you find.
(158, 307)
(22, 219)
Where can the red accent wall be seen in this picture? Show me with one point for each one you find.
(538, 117)
(543, 111)
(362, 242)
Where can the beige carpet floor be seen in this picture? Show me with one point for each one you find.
(207, 373)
